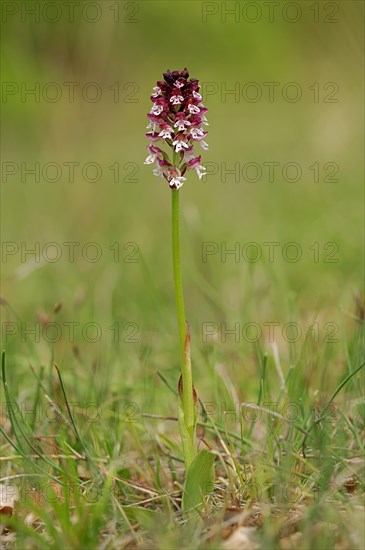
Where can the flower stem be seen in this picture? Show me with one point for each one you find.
(177, 271)
(187, 398)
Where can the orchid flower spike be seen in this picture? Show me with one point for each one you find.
(176, 118)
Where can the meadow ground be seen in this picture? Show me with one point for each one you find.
(272, 262)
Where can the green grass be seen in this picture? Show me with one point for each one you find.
(103, 466)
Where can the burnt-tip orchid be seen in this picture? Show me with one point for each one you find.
(177, 119)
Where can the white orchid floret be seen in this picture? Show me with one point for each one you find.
(151, 125)
(182, 124)
(156, 110)
(179, 145)
(150, 159)
(158, 172)
(201, 171)
(196, 95)
(177, 182)
(194, 109)
(166, 132)
(197, 133)
(157, 91)
(176, 99)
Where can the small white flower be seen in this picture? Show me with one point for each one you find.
(205, 121)
(182, 124)
(157, 91)
(179, 84)
(204, 145)
(194, 110)
(197, 133)
(179, 145)
(176, 99)
(157, 110)
(152, 125)
(150, 159)
(201, 171)
(166, 133)
(177, 182)
(197, 95)
(157, 172)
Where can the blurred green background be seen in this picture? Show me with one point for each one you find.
(131, 44)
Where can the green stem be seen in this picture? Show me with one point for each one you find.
(177, 272)
(187, 380)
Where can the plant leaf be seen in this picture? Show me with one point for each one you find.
(199, 481)
(187, 437)
(147, 518)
